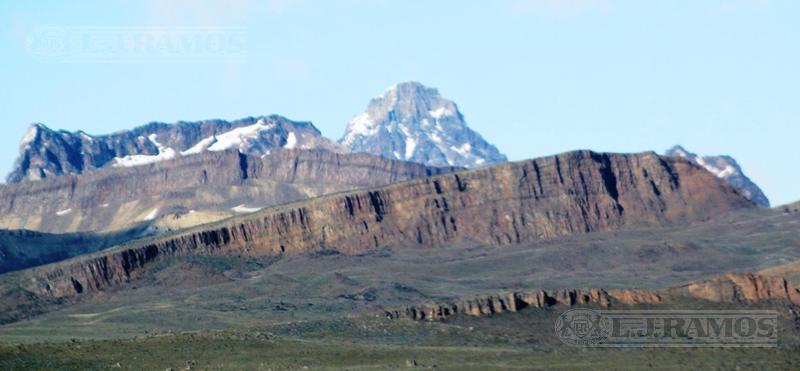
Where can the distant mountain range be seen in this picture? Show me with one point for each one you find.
(412, 122)
(727, 168)
(264, 220)
(407, 122)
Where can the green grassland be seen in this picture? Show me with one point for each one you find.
(367, 345)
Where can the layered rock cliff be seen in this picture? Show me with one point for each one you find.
(571, 193)
(735, 288)
(209, 184)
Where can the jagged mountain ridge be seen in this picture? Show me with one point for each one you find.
(46, 153)
(568, 194)
(412, 122)
(725, 167)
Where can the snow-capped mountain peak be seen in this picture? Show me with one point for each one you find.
(724, 167)
(412, 122)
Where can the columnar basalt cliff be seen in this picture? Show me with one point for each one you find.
(737, 288)
(577, 192)
(117, 198)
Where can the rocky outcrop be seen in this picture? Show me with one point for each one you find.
(112, 199)
(736, 288)
(515, 301)
(46, 153)
(741, 288)
(571, 193)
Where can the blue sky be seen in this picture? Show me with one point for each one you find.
(535, 77)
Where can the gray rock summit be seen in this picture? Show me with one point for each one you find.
(412, 122)
(45, 153)
(727, 168)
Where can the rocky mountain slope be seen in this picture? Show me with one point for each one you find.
(46, 153)
(567, 194)
(191, 190)
(726, 168)
(412, 122)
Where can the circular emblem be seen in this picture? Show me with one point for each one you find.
(582, 327)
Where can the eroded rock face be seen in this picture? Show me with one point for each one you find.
(741, 288)
(577, 192)
(737, 288)
(515, 301)
(113, 199)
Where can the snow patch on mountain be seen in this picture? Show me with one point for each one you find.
(201, 146)
(139, 160)
(151, 215)
(291, 141)
(63, 212)
(30, 135)
(724, 172)
(360, 125)
(241, 138)
(243, 209)
(441, 112)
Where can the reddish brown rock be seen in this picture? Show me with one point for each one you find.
(741, 288)
(631, 297)
(513, 302)
(577, 192)
(736, 288)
